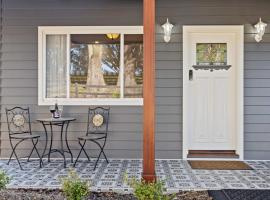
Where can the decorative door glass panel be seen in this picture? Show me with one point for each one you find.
(211, 54)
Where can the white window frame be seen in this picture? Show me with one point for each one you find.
(43, 31)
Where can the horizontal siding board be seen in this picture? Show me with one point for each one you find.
(257, 101)
(101, 20)
(169, 83)
(258, 137)
(257, 73)
(253, 146)
(258, 64)
(78, 4)
(20, 65)
(19, 74)
(263, 110)
(168, 74)
(257, 155)
(257, 83)
(116, 153)
(257, 118)
(111, 145)
(257, 92)
(168, 65)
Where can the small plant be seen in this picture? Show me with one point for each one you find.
(4, 180)
(148, 191)
(73, 187)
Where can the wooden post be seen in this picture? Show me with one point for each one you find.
(149, 91)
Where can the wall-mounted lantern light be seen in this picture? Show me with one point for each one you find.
(260, 29)
(167, 28)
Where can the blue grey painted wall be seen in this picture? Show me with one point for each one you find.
(256, 64)
(19, 67)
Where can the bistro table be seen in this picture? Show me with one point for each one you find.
(63, 123)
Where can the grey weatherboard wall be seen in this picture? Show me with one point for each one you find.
(18, 62)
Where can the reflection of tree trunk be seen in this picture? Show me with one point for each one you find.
(129, 78)
(95, 74)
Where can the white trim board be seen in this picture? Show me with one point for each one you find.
(239, 31)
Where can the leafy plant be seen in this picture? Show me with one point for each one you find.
(73, 187)
(4, 180)
(148, 191)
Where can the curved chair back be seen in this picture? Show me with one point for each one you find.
(18, 120)
(98, 120)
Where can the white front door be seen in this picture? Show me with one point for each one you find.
(211, 91)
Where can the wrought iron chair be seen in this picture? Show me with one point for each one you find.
(97, 130)
(19, 127)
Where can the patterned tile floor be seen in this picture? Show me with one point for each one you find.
(177, 174)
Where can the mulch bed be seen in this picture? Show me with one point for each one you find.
(27, 194)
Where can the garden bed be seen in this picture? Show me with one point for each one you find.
(27, 194)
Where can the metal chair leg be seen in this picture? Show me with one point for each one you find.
(35, 147)
(101, 152)
(105, 155)
(10, 157)
(14, 152)
(84, 150)
(82, 146)
(31, 151)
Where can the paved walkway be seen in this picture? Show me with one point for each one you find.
(176, 173)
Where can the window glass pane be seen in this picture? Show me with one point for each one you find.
(211, 53)
(133, 69)
(56, 65)
(94, 66)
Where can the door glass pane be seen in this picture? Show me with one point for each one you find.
(133, 66)
(94, 66)
(211, 53)
(56, 65)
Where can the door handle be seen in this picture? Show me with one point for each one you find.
(190, 74)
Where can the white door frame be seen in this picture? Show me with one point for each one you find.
(238, 30)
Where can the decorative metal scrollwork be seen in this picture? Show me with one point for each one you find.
(98, 120)
(18, 120)
(211, 67)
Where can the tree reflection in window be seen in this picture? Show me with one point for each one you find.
(95, 66)
(95, 63)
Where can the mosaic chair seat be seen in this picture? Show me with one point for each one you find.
(19, 128)
(97, 131)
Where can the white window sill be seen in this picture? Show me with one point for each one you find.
(94, 102)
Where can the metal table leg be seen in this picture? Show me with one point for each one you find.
(71, 155)
(50, 149)
(62, 145)
(46, 141)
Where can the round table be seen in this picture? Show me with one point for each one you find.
(63, 123)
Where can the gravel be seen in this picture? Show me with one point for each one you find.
(27, 194)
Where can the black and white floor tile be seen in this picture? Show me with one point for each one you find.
(177, 175)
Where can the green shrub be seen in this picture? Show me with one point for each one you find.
(148, 191)
(73, 187)
(4, 179)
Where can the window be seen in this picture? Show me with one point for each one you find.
(91, 65)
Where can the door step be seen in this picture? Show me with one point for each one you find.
(212, 154)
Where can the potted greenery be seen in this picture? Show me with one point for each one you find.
(4, 180)
(148, 191)
(74, 188)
